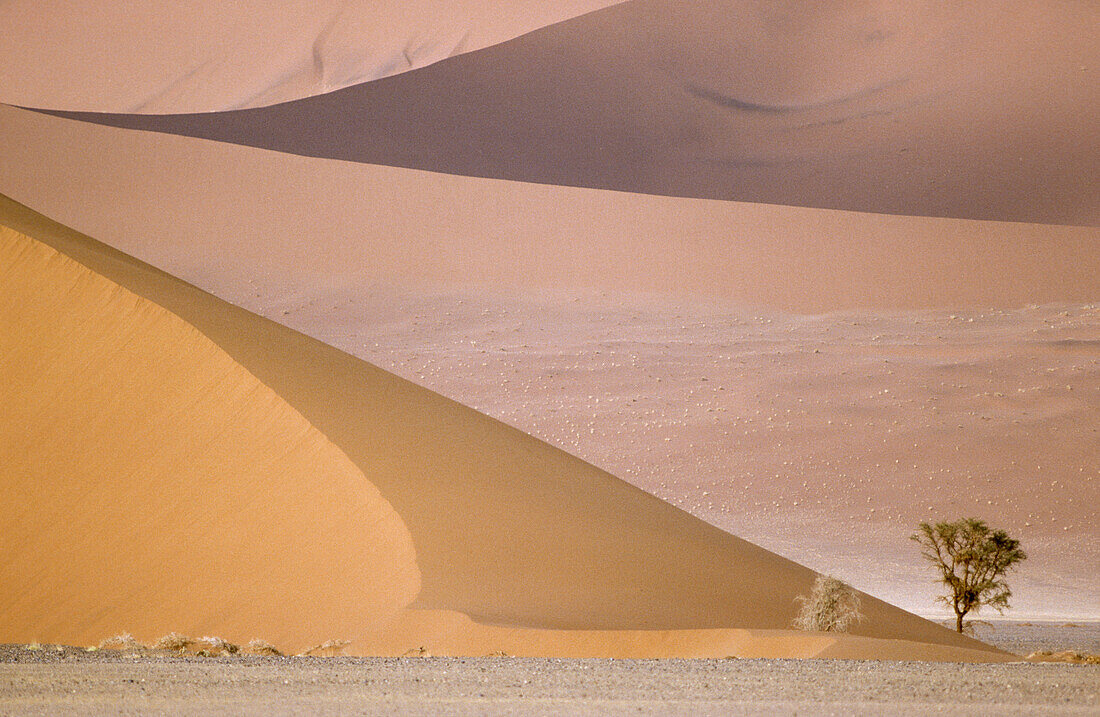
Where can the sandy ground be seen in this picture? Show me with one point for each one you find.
(73, 682)
(825, 438)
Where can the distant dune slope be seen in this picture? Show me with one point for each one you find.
(194, 56)
(983, 110)
(507, 529)
(149, 483)
(249, 224)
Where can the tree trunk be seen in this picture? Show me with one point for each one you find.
(959, 621)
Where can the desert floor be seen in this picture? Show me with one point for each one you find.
(71, 681)
(824, 438)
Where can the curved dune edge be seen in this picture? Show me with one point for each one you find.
(441, 633)
(111, 56)
(918, 108)
(152, 484)
(294, 221)
(507, 529)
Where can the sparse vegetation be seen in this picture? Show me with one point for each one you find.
(216, 646)
(262, 647)
(329, 646)
(173, 641)
(1070, 656)
(972, 559)
(833, 606)
(121, 641)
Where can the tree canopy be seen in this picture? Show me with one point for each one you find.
(972, 559)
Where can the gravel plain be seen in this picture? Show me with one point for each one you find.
(52, 680)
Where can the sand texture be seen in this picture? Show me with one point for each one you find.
(151, 483)
(243, 222)
(507, 530)
(922, 109)
(189, 56)
(519, 314)
(823, 438)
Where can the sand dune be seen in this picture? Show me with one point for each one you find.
(823, 438)
(507, 529)
(188, 56)
(448, 633)
(922, 109)
(152, 484)
(296, 223)
(964, 138)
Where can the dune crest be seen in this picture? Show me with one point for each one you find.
(151, 484)
(923, 108)
(189, 56)
(300, 222)
(508, 530)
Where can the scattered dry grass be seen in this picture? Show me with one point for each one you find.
(215, 647)
(262, 647)
(173, 641)
(417, 652)
(1070, 656)
(121, 641)
(328, 648)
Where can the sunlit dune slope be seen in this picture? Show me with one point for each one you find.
(150, 483)
(507, 529)
(193, 56)
(983, 110)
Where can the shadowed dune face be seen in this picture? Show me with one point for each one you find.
(192, 56)
(922, 109)
(151, 484)
(297, 222)
(507, 529)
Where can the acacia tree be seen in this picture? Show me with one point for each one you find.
(972, 559)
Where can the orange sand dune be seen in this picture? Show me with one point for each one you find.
(506, 529)
(983, 110)
(150, 483)
(249, 224)
(190, 56)
(435, 632)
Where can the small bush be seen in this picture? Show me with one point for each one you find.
(214, 646)
(329, 647)
(262, 647)
(173, 641)
(122, 641)
(832, 606)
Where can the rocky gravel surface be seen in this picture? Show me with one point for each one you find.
(64, 681)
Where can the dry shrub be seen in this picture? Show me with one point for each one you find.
(173, 641)
(122, 641)
(417, 652)
(215, 646)
(1071, 656)
(329, 648)
(833, 606)
(262, 647)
